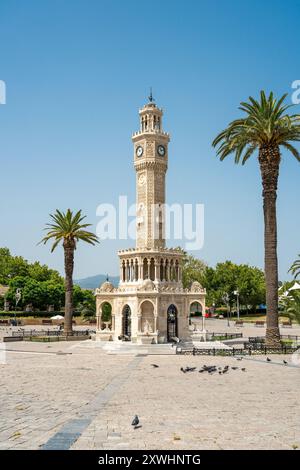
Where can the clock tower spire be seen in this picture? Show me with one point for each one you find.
(151, 163)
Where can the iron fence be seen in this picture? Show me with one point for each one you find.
(261, 339)
(34, 333)
(225, 336)
(236, 351)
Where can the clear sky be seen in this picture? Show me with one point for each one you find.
(77, 72)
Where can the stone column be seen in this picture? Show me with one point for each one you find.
(155, 323)
(140, 269)
(139, 323)
(98, 319)
(156, 270)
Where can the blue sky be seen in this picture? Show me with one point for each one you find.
(76, 74)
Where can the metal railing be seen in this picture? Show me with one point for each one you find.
(34, 333)
(261, 339)
(236, 351)
(211, 336)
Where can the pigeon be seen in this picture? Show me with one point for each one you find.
(234, 368)
(154, 365)
(268, 359)
(285, 362)
(225, 370)
(239, 358)
(243, 369)
(220, 372)
(135, 421)
(182, 370)
(201, 370)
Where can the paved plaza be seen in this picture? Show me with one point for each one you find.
(78, 396)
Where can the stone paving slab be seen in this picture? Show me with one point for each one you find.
(87, 400)
(258, 408)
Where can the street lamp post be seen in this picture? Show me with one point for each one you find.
(236, 292)
(226, 300)
(18, 296)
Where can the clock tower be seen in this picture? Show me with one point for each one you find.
(151, 163)
(150, 304)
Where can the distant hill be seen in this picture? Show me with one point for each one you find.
(95, 281)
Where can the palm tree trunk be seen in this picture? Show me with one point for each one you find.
(269, 160)
(69, 266)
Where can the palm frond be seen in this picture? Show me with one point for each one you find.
(295, 268)
(68, 226)
(266, 124)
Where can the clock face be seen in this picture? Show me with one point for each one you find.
(161, 150)
(139, 151)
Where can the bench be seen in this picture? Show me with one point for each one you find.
(259, 323)
(47, 322)
(239, 323)
(286, 324)
(5, 322)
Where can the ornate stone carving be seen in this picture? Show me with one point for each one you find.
(147, 285)
(106, 287)
(196, 287)
(147, 327)
(142, 179)
(150, 148)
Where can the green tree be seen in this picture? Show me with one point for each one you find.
(266, 128)
(67, 228)
(193, 269)
(228, 277)
(11, 266)
(251, 286)
(54, 293)
(290, 305)
(33, 292)
(41, 272)
(87, 307)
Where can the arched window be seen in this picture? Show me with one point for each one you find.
(176, 271)
(152, 270)
(172, 330)
(145, 268)
(126, 313)
(123, 271)
(161, 270)
(105, 315)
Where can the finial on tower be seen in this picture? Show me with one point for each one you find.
(107, 278)
(150, 97)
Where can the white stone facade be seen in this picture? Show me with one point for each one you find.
(150, 304)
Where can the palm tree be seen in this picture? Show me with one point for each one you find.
(68, 229)
(266, 127)
(295, 268)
